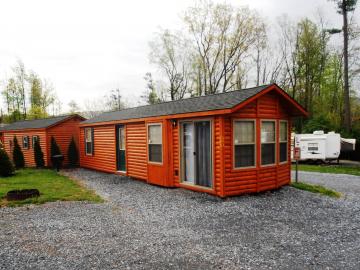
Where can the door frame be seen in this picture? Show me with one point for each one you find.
(117, 147)
(181, 152)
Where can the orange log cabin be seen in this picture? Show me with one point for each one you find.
(224, 144)
(62, 128)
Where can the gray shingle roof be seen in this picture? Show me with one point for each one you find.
(196, 104)
(38, 123)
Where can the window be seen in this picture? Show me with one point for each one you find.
(26, 142)
(268, 142)
(313, 147)
(244, 143)
(89, 138)
(155, 143)
(283, 141)
(34, 139)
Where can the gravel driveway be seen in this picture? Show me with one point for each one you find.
(148, 227)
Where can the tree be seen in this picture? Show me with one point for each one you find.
(344, 7)
(18, 155)
(20, 81)
(173, 55)
(73, 154)
(74, 107)
(13, 100)
(54, 148)
(223, 36)
(114, 101)
(150, 96)
(38, 154)
(36, 95)
(6, 167)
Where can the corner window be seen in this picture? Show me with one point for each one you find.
(244, 143)
(283, 140)
(268, 142)
(89, 141)
(34, 140)
(155, 143)
(26, 142)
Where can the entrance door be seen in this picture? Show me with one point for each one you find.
(120, 149)
(196, 149)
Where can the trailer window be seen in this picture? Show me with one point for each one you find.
(268, 141)
(244, 143)
(283, 141)
(155, 143)
(26, 142)
(313, 147)
(89, 141)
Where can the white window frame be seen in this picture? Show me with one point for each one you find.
(91, 141)
(27, 142)
(275, 142)
(234, 144)
(148, 143)
(33, 141)
(287, 141)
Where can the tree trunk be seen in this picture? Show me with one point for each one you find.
(347, 115)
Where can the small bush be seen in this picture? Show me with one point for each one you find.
(73, 154)
(38, 154)
(6, 167)
(54, 148)
(18, 155)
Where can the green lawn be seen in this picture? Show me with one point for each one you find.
(329, 169)
(52, 187)
(316, 189)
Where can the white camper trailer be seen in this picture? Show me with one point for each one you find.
(321, 146)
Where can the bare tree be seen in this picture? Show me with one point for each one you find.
(172, 54)
(223, 36)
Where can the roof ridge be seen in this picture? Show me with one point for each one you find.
(178, 100)
(45, 118)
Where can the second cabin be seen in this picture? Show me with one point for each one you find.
(224, 144)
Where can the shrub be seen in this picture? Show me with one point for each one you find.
(6, 167)
(38, 154)
(18, 155)
(72, 153)
(54, 148)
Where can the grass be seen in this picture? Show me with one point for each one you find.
(316, 189)
(329, 169)
(52, 187)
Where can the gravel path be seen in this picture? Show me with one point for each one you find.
(348, 185)
(148, 227)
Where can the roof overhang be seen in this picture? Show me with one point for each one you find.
(297, 109)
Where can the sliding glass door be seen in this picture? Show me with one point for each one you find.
(196, 153)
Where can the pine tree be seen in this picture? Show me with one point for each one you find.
(6, 167)
(18, 155)
(54, 148)
(38, 154)
(73, 154)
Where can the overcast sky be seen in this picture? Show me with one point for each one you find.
(87, 48)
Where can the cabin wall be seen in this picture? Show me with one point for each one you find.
(136, 150)
(260, 178)
(63, 133)
(104, 156)
(28, 153)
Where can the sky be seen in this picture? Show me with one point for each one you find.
(86, 48)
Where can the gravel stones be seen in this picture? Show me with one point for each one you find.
(141, 226)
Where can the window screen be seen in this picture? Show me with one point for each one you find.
(89, 137)
(34, 140)
(283, 141)
(155, 143)
(268, 140)
(244, 143)
(26, 142)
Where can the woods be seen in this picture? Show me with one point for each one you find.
(27, 96)
(221, 48)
